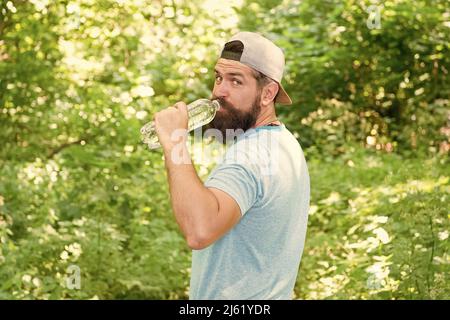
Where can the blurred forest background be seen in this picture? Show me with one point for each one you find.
(79, 78)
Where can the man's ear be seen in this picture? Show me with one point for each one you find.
(269, 93)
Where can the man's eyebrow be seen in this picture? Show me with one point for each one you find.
(233, 74)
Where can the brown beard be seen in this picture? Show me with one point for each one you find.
(234, 119)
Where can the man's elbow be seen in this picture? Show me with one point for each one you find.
(198, 242)
(200, 234)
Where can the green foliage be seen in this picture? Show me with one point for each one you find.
(382, 236)
(394, 76)
(78, 78)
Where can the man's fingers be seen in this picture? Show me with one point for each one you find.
(181, 106)
(171, 111)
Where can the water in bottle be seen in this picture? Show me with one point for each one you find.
(201, 112)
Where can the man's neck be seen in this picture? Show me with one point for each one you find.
(267, 117)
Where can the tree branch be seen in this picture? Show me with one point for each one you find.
(60, 148)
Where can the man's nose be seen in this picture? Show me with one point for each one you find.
(220, 90)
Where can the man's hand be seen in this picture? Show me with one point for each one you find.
(171, 125)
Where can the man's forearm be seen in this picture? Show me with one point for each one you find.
(193, 204)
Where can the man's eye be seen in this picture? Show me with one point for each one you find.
(237, 82)
(218, 78)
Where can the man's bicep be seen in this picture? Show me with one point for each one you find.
(228, 214)
(234, 188)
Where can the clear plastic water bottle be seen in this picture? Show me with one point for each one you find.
(201, 112)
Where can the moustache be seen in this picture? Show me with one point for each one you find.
(224, 104)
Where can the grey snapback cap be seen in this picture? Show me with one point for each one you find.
(261, 54)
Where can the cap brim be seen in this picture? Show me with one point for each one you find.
(282, 96)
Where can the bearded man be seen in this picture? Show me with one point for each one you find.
(247, 222)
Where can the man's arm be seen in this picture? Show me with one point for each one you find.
(203, 214)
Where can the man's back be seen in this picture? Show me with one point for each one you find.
(266, 173)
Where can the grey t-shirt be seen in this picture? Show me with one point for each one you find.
(265, 172)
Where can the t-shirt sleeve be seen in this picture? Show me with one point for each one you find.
(238, 181)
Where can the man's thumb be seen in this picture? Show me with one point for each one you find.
(182, 107)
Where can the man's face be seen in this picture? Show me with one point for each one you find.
(236, 89)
